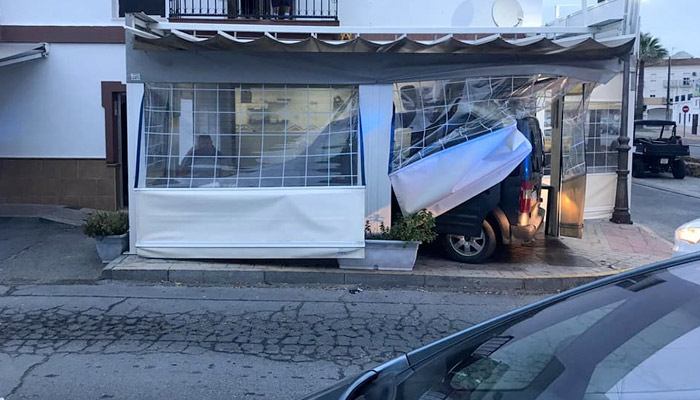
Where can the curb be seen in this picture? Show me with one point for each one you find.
(198, 274)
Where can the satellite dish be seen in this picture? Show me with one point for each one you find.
(507, 13)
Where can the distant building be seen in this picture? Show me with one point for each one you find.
(684, 85)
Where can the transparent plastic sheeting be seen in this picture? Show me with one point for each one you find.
(455, 139)
(241, 136)
(574, 133)
(446, 179)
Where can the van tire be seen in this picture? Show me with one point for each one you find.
(471, 250)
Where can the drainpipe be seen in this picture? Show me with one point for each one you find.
(621, 215)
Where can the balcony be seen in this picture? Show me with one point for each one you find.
(300, 10)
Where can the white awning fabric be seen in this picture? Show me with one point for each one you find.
(261, 57)
(12, 53)
(583, 48)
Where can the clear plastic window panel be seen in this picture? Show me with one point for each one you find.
(601, 136)
(435, 115)
(574, 128)
(243, 136)
(601, 132)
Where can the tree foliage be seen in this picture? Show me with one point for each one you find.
(650, 48)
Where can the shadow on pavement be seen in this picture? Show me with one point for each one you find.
(33, 250)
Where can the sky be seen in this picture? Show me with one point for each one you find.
(675, 22)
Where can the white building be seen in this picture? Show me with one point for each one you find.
(58, 142)
(684, 85)
(63, 116)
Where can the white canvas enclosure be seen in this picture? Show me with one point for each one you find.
(250, 223)
(258, 147)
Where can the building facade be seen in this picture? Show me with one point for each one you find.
(684, 86)
(64, 117)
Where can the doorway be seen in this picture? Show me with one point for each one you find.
(116, 153)
(122, 155)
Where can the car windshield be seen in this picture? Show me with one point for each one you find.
(634, 339)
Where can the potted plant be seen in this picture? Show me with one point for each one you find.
(110, 230)
(394, 248)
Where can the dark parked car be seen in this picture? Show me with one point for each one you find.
(655, 153)
(508, 211)
(635, 335)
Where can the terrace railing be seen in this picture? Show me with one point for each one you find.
(253, 9)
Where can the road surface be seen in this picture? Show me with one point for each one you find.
(118, 341)
(663, 210)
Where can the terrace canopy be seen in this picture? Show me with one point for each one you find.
(12, 53)
(310, 132)
(175, 56)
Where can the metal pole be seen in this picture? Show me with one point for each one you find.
(685, 114)
(621, 215)
(668, 89)
(553, 199)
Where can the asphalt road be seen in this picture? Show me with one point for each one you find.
(661, 210)
(117, 341)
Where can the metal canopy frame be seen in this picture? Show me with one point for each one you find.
(12, 53)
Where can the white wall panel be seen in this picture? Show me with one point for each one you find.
(424, 13)
(58, 12)
(250, 223)
(610, 92)
(600, 195)
(52, 107)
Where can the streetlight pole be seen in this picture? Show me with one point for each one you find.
(621, 215)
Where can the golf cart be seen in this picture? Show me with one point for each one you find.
(654, 153)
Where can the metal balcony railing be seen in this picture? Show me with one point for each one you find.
(677, 83)
(254, 9)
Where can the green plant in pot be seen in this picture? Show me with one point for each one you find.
(111, 232)
(394, 248)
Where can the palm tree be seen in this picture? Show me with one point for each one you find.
(650, 49)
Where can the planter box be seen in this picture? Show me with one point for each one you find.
(385, 255)
(111, 247)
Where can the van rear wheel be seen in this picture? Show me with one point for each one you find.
(471, 250)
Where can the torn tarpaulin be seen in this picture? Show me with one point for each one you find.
(452, 176)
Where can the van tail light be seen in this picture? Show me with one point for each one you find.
(526, 189)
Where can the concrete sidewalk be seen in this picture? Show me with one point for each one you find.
(547, 265)
(56, 213)
(689, 138)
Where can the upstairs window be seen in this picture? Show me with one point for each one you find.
(249, 136)
(150, 7)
